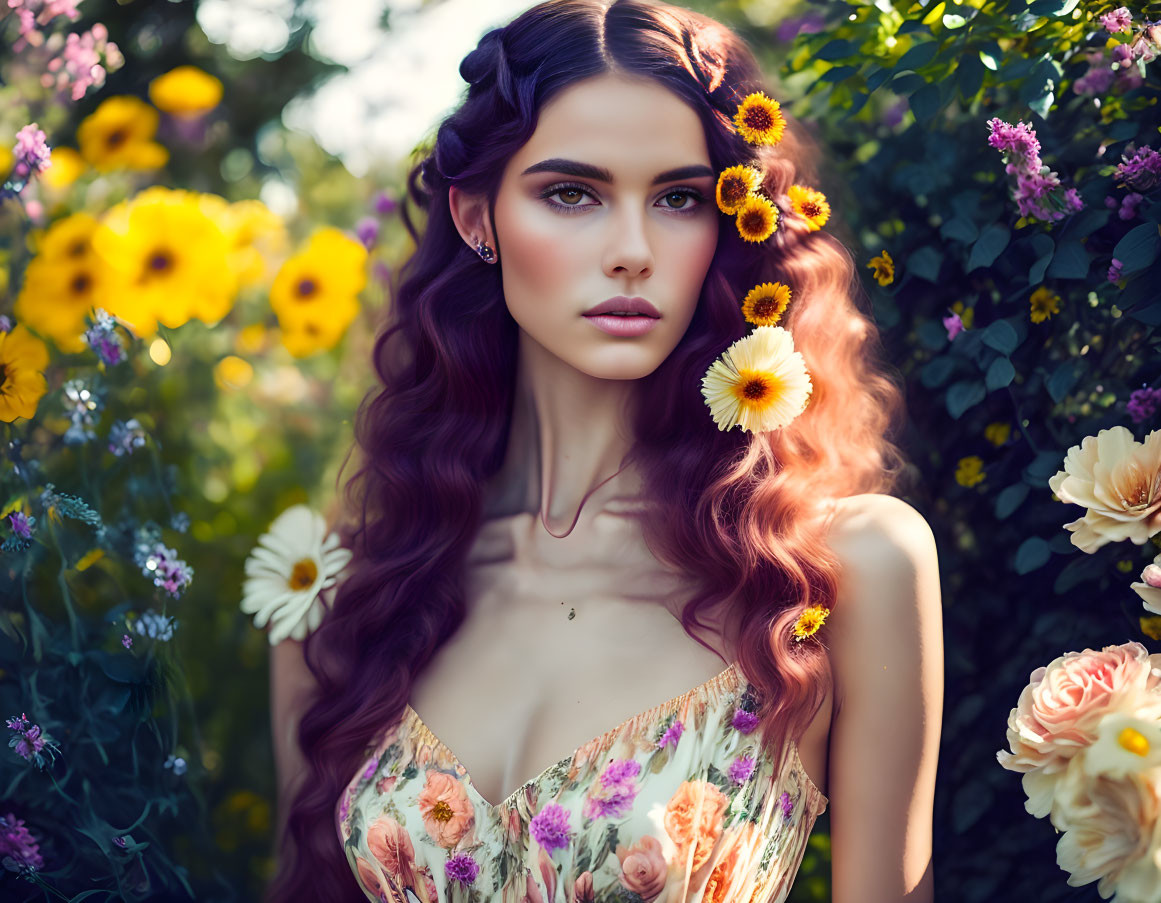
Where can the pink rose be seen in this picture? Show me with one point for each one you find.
(390, 843)
(445, 808)
(583, 890)
(643, 867)
(384, 785)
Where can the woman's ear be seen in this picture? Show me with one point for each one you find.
(469, 213)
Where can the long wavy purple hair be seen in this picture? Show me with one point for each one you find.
(734, 503)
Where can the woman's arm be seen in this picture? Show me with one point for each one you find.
(886, 647)
(291, 688)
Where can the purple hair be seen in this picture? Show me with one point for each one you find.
(732, 503)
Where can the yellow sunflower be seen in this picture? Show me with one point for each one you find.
(811, 205)
(185, 91)
(170, 260)
(884, 268)
(735, 184)
(759, 119)
(757, 218)
(23, 358)
(811, 619)
(119, 135)
(765, 303)
(1044, 303)
(760, 382)
(63, 282)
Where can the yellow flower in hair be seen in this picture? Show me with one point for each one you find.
(759, 119)
(811, 205)
(765, 303)
(809, 621)
(760, 382)
(884, 268)
(757, 218)
(735, 184)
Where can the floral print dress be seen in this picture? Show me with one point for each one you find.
(675, 804)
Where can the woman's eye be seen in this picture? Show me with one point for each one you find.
(570, 193)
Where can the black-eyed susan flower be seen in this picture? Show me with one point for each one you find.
(759, 119)
(735, 184)
(185, 91)
(970, 470)
(764, 304)
(1044, 303)
(759, 383)
(810, 204)
(884, 268)
(808, 623)
(23, 358)
(63, 282)
(119, 135)
(757, 218)
(170, 261)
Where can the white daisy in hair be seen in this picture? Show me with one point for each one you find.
(286, 573)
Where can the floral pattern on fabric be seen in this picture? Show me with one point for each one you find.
(677, 804)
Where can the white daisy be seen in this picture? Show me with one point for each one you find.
(287, 572)
(760, 382)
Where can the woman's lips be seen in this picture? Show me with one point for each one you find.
(622, 326)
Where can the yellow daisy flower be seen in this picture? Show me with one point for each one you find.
(170, 260)
(185, 91)
(811, 205)
(1044, 303)
(970, 471)
(765, 303)
(63, 282)
(67, 166)
(757, 218)
(760, 382)
(884, 268)
(8, 159)
(808, 623)
(256, 234)
(759, 119)
(998, 433)
(315, 293)
(735, 184)
(23, 358)
(119, 135)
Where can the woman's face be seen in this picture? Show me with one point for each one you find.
(582, 216)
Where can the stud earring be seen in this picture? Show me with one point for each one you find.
(485, 252)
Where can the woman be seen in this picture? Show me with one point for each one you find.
(556, 540)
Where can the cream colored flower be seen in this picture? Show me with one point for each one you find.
(288, 571)
(1119, 480)
(1108, 824)
(759, 383)
(1149, 587)
(1126, 743)
(1140, 881)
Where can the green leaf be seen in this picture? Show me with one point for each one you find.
(970, 78)
(1000, 374)
(925, 102)
(918, 56)
(835, 50)
(1137, 249)
(990, 55)
(963, 395)
(951, 20)
(876, 76)
(932, 335)
(838, 73)
(1064, 378)
(1044, 247)
(1042, 104)
(1010, 499)
(960, 228)
(1001, 336)
(988, 246)
(924, 262)
(1077, 571)
(1069, 262)
(938, 370)
(1052, 7)
(1033, 553)
(1149, 315)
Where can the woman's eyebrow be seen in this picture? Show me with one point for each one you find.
(600, 174)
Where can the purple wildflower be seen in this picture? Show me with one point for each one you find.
(1114, 270)
(672, 735)
(744, 721)
(462, 868)
(160, 562)
(372, 767)
(384, 204)
(1141, 171)
(31, 152)
(1143, 403)
(1129, 205)
(614, 797)
(177, 763)
(1122, 54)
(784, 802)
(29, 741)
(127, 641)
(18, 844)
(1037, 190)
(550, 827)
(103, 338)
(953, 325)
(122, 840)
(808, 23)
(21, 524)
(367, 231)
(1117, 21)
(124, 436)
(741, 769)
(619, 771)
(6, 324)
(155, 626)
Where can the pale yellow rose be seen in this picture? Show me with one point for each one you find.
(1119, 480)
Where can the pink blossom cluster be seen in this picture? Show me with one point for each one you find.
(1116, 21)
(32, 153)
(954, 326)
(1127, 207)
(1143, 403)
(82, 62)
(1140, 171)
(1101, 76)
(35, 14)
(1037, 191)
